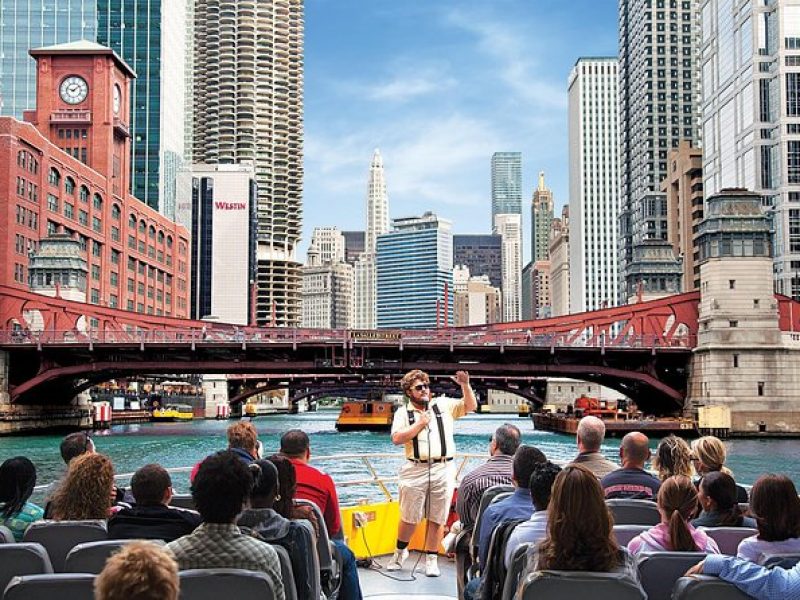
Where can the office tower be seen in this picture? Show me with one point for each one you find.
(327, 293)
(477, 302)
(216, 203)
(526, 300)
(248, 106)
(593, 183)
(559, 265)
(684, 189)
(659, 104)
(377, 201)
(414, 267)
(751, 116)
(506, 184)
(509, 227)
(481, 253)
(541, 289)
(329, 243)
(353, 245)
(541, 217)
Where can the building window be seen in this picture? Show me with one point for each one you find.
(735, 361)
(140, 288)
(115, 212)
(69, 186)
(84, 195)
(760, 388)
(53, 177)
(115, 254)
(97, 202)
(733, 324)
(114, 233)
(130, 305)
(95, 297)
(97, 249)
(793, 160)
(755, 302)
(114, 279)
(97, 225)
(69, 210)
(131, 242)
(113, 301)
(96, 272)
(139, 307)
(52, 202)
(142, 227)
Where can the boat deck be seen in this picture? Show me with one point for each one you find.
(380, 584)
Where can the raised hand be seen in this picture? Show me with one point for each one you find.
(461, 378)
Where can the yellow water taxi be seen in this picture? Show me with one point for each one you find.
(173, 412)
(369, 415)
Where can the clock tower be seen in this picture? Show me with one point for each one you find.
(83, 106)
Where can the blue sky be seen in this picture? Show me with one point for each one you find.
(438, 86)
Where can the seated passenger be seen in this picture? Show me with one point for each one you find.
(285, 504)
(220, 490)
(673, 457)
(579, 530)
(776, 507)
(151, 518)
(242, 441)
(708, 455)
(677, 502)
(139, 571)
(268, 525)
(756, 581)
(516, 506)
(495, 471)
(589, 437)
(717, 496)
(17, 479)
(87, 489)
(632, 481)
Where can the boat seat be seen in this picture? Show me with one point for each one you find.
(52, 586)
(91, 557)
(706, 587)
(580, 584)
(22, 559)
(728, 538)
(658, 571)
(519, 560)
(316, 584)
(330, 563)
(6, 536)
(786, 561)
(490, 496)
(213, 584)
(182, 501)
(59, 537)
(625, 533)
(287, 573)
(627, 511)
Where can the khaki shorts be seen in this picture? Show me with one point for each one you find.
(414, 491)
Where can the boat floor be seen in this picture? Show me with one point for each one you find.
(379, 584)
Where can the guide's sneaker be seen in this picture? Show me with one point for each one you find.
(397, 560)
(432, 565)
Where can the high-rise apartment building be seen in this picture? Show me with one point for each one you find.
(414, 267)
(509, 227)
(248, 106)
(659, 104)
(481, 253)
(559, 265)
(506, 184)
(327, 293)
(541, 218)
(593, 184)
(751, 115)
(377, 202)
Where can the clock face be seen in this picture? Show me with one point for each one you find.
(74, 89)
(117, 100)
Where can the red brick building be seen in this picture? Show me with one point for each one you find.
(66, 169)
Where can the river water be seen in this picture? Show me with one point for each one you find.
(184, 444)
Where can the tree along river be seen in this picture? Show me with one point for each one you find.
(184, 444)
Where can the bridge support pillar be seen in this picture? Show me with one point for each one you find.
(3, 378)
(215, 390)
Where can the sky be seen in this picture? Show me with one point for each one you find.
(438, 86)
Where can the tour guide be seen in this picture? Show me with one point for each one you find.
(425, 428)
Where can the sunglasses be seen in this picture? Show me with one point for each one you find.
(422, 386)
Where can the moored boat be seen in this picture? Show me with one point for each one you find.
(173, 412)
(369, 415)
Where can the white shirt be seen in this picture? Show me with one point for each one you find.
(450, 408)
(755, 550)
(531, 531)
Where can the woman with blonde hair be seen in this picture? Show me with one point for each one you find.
(708, 456)
(87, 489)
(677, 502)
(673, 457)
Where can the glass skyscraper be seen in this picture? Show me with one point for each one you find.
(506, 184)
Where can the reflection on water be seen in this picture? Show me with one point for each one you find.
(184, 444)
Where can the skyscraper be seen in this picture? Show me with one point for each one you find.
(481, 253)
(559, 265)
(248, 105)
(327, 296)
(414, 267)
(506, 183)
(377, 224)
(659, 104)
(593, 184)
(541, 218)
(509, 226)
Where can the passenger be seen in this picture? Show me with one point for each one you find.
(427, 479)
(242, 441)
(589, 437)
(518, 505)
(139, 571)
(152, 518)
(220, 491)
(776, 507)
(71, 446)
(495, 471)
(579, 530)
(754, 580)
(534, 529)
(285, 504)
(314, 485)
(708, 455)
(17, 480)
(673, 457)
(677, 502)
(268, 525)
(717, 496)
(631, 480)
(87, 489)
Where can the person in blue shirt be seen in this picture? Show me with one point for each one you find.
(17, 479)
(754, 580)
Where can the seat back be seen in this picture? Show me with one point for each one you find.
(22, 559)
(213, 584)
(580, 584)
(91, 557)
(75, 586)
(182, 501)
(728, 538)
(59, 537)
(6, 536)
(287, 573)
(519, 560)
(786, 561)
(316, 584)
(658, 571)
(625, 533)
(627, 511)
(706, 587)
(329, 566)
(490, 495)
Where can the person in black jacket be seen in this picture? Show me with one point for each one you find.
(151, 517)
